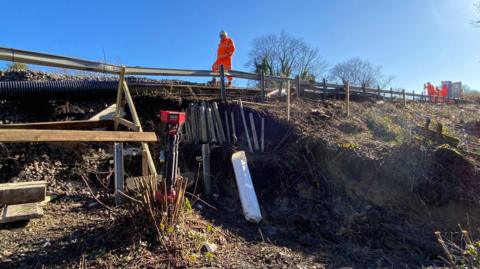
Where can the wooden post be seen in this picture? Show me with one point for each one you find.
(404, 98)
(245, 126)
(297, 85)
(364, 91)
(262, 85)
(378, 92)
(324, 89)
(280, 86)
(391, 93)
(119, 173)
(144, 163)
(254, 132)
(347, 97)
(234, 131)
(227, 126)
(119, 102)
(136, 120)
(207, 183)
(288, 100)
(262, 141)
(222, 83)
(413, 96)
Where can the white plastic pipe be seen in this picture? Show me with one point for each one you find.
(248, 198)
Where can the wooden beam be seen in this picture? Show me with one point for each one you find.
(26, 135)
(12, 213)
(61, 125)
(22, 192)
(118, 103)
(136, 120)
(130, 125)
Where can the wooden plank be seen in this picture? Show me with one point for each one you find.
(130, 125)
(22, 192)
(27, 135)
(108, 113)
(61, 125)
(12, 213)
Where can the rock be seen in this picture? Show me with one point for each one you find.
(210, 247)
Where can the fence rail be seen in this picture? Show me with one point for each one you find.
(38, 58)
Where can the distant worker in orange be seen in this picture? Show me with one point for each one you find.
(225, 51)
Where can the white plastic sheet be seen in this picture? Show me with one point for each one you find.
(248, 198)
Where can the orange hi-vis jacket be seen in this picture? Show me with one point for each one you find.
(225, 51)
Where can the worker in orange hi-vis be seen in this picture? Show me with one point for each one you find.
(225, 51)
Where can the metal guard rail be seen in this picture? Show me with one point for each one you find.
(38, 58)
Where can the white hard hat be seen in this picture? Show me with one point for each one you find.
(223, 33)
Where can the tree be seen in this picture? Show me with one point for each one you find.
(15, 67)
(285, 55)
(477, 6)
(360, 72)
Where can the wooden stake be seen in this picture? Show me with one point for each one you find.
(234, 131)
(254, 132)
(228, 127)
(144, 163)
(324, 89)
(245, 127)
(262, 144)
(216, 113)
(262, 85)
(297, 82)
(347, 97)
(404, 98)
(288, 100)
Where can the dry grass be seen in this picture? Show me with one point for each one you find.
(472, 96)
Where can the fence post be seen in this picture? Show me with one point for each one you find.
(413, 95)
(288, 100)
(378, 92)
(391, 93)
(297, 82)
(324, 89)
(364, 91)
(347, 97)
(262, 85)
(222, 83)
(404, 99)
(118, 172)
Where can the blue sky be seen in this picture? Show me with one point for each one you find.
(414, 40)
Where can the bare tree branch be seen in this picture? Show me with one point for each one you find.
(285, 55)
(360, 72)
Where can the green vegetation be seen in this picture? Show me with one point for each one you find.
(15, 67)
(460, 253)
(384, 128)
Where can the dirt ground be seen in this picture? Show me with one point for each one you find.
(334, 191)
